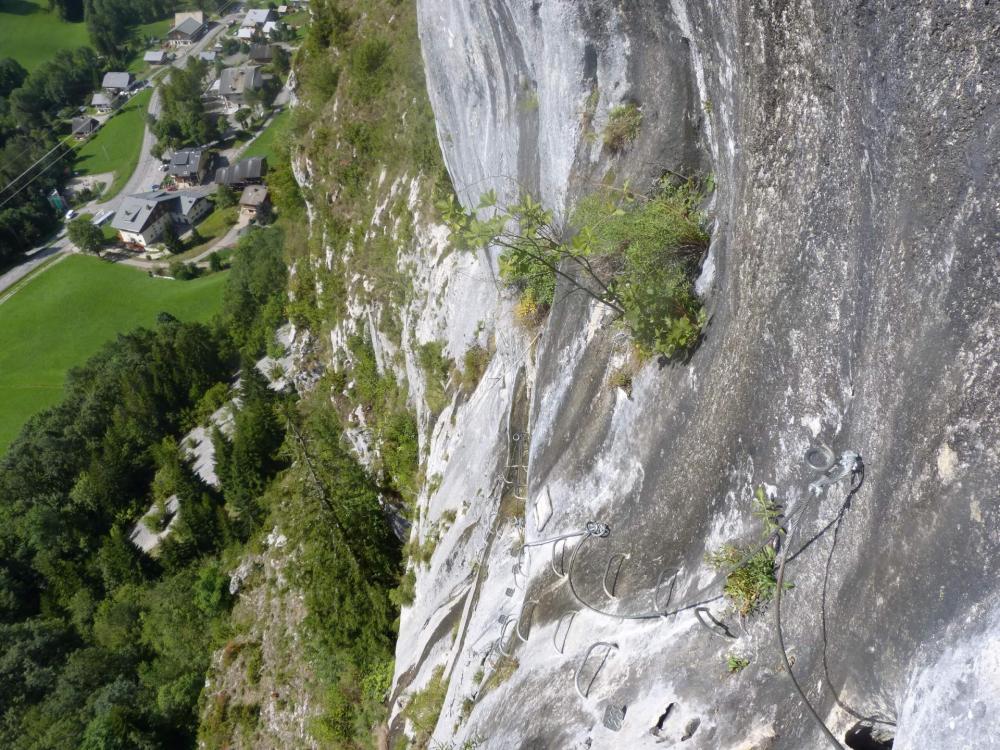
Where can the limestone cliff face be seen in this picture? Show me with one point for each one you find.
(853, 285)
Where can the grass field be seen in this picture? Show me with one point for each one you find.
(117, 144)
(263, 144)
(62, 316)
(31, 34)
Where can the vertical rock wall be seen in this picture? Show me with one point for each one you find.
(854, 292)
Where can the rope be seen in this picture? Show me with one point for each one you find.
(777, 622)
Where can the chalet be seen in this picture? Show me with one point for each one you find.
(235, 82)
(188, 166)
(142, 219)
(258, 17)
(115, 83)
(261, 53)
(208, 56)
(245, 172)
(104, 102)
(83, 127)
(186, 32)
(155, 57)
(269, 28)
(248, 33)
(254, 201)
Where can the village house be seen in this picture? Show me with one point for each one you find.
(155, 57)
(142, 219)
(188, 166)
(83, 127)
(261, 53)
(269, 28)
(258, 17)
(208, 56)
(188, 29)
(117, 82)
(248, 33)
(248, 171)
(235, 82)
(103, 102)
(254, 201)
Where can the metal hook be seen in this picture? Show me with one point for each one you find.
(610, 648)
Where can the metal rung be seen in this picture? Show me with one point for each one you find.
(503, 632)
(567, 618)
(609, 649)
(561, 570)
(530, 606)
(621, 558)
(714, 626)
(661, 579)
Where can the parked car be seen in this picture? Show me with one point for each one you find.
(164, 167)
(155, 186)
(71, 214)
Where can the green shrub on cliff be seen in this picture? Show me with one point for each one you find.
(635, 254)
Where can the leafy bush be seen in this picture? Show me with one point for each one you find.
(424, 708)
(437, 369)
(751, 581)
(637, 255)
(623, 126)
(404, 594)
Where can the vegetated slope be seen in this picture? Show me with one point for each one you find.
(58, 320)
(851, 290)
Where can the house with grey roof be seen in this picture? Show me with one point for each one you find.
(188, 166)
(248, 171)
(235, 82)
(186, 32)
(83, 127)
(116, 82)
(143, 218)
(253, 201)
(258, 17)
(155, 57)
(261, 53)
(103, 102)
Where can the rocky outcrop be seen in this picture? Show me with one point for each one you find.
(853, 286)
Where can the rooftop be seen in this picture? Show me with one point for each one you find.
(252, 168)
(116, 80)
(155, 56)
(188, 27)
(235, 81)
(258, 16)
(186, 162)
(136, 210)
(253, 195)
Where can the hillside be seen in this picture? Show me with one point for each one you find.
(615, 376)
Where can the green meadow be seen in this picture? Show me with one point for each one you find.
(60, 317)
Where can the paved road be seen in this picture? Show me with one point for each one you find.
(146, 174)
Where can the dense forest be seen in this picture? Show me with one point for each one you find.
(104, 646)
(33, 109)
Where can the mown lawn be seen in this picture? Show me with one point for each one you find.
(62, 316)
(264, 143)
(117, 144)
(31, 34)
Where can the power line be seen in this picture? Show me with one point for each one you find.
(62, 143)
